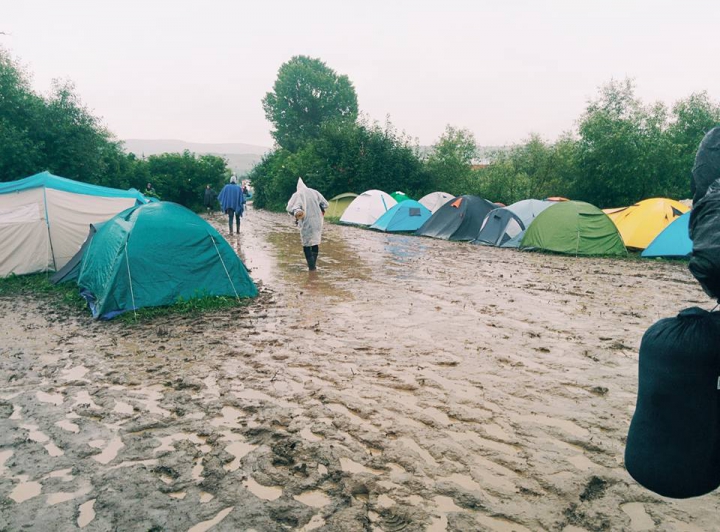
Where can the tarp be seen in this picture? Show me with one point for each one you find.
(154, 254)
(639, 224)
(574, 228)
(338, 204)
(435, 200)
(506, 223)
(368, 207)
(674, 241)
(459, 219)
(406, 216)
(44, 219)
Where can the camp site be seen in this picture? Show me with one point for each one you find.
(440, 267)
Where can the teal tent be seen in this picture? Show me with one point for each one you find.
(574, 228)
(408, 215)
(674, 241)
(155, 254)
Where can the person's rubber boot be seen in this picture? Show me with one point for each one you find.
(309, 257)
(315, 256)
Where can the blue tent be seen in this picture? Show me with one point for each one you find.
(674, 241)
(408, 215)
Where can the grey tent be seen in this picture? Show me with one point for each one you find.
(516, 220)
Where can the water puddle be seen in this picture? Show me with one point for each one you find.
(132, 463)
(83, 399)
(310, 436)
(16, 416)
(53, 450)
(639, 519)
(385, 502)
(68, 425)
(25, 490)
(238, 449)
(166, 443)
(415, 500)
(230, 417)
(97, 444)
(122, 408)
(74, 374)
(87, 513)
(64, 474)
(322, 469)
(207, 525)
(268, 493)
(178, 495)
(206, 497)
(351, 466)
(57, 498)
(197, 470)
(110, 452)
(315, 499)
(411, 444)
(581, 462)
(153, 395)
(52, 398)
(34, 434)
(212, 387)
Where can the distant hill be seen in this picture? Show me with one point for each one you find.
(240, 157)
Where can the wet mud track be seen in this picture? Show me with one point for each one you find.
(409, 384)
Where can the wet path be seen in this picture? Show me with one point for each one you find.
(409, 384)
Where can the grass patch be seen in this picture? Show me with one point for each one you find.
(66, 297)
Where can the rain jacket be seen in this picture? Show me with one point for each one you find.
(209, 197)
(313, 204)
(231, 197)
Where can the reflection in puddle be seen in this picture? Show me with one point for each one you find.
(207, 525)
(269, 493)
(315, 499)
(87, 513)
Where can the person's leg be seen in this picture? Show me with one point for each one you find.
(230, 213)
(237, 222)
(309, 257)
(315, 252)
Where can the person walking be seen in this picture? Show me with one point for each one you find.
(231, 201)
(209, 199)
(308, 207)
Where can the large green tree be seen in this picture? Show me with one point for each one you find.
(306, 94)
(450, 162)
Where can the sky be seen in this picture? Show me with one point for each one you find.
(198, 70)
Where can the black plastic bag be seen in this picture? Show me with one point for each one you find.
(705, 234)
(673, 446)
(707, 164)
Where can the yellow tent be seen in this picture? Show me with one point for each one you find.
(639, 224)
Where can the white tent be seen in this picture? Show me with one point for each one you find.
(44, 219)
(435, 200)
(368, 207)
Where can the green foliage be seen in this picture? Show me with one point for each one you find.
(186, 307)
(58, 133)
(65, 295)
(345, 157)
(450, 163)
(307, 94)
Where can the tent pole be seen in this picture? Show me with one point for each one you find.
(225, 268)
(47, 223)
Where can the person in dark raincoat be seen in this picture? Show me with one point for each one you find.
(308, 207)
(231, 201)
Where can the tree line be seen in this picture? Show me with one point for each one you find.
(57, 133)
(620, 151)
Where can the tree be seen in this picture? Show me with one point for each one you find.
(306, 94)
(450, 163)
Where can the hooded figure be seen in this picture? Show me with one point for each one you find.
(308, 206)
(231, 200)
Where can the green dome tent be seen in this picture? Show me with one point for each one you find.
(400, 196)
(338, 204)
(154, 254)
(574, 228)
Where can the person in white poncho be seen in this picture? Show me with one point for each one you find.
(308, 206)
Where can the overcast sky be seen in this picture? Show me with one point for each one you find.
(197, 70)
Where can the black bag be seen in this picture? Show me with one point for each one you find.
(705, 234)
(707, 164)
(673, 446)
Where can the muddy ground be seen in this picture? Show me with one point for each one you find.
(410, 384)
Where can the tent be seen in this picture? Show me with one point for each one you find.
(368, 207)
(45, 218)
(503, 224)
(459, 219)
(639, 224)
(71, 270)
(674, 241)
(408, 215)
(338, 204)
(435, 200)
(155, 254)
(574, 228)
(400, 196)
